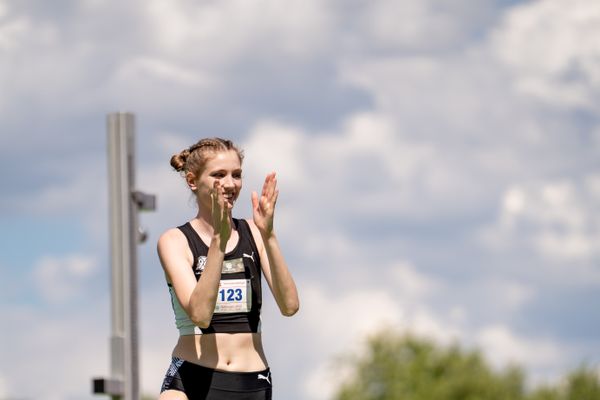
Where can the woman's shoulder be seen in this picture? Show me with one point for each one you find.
(251, 224)
(171, 237)
(255, 232)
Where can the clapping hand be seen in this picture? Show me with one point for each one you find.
(221, 213)
(263, 208)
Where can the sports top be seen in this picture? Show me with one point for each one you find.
(239, 299)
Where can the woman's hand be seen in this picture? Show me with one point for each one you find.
(263, 208)
(221, 214)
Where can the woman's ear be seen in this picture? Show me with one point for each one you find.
(190, 178)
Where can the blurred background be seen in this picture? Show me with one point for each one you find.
(438, 164)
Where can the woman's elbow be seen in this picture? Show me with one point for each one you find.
(202, 324)
(200, 320)
(290, 309)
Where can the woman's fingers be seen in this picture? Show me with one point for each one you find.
(268, 179)
(263, 205)
(221, 207)
(217, 196)
(270, 186)
(254, 198)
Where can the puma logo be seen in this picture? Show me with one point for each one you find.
(250, 256)
(266, 378)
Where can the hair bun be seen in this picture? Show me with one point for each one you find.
(178, 160)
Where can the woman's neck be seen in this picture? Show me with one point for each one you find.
(203, 223)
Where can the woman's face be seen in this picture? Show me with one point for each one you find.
(225, 167)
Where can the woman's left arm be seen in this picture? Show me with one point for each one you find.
(274, 266)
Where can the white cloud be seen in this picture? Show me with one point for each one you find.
(369, 168)
(154, 68)
(37, 55)
(513, 203)
(503, 296)
(410, 24)
(502, 347)
(13, 31)
(299, 26)
(59, 279)
(273, 146)
(552, 49)
(386, 78)
(556, 219)
(410, 283)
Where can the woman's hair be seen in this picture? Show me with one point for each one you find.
(195, 157)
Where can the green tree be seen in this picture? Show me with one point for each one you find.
(395, 366)
(409, 368)
(545, 393)
(581, 384)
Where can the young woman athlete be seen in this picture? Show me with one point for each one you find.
(213, 265)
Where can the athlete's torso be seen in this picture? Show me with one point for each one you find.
(232, 342)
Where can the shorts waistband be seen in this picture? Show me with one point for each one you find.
(228, 380)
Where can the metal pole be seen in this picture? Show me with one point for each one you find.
(123, 339)
(123, 381)
(125, 203)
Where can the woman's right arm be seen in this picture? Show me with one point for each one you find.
(198, 298)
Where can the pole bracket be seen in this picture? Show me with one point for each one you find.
(144, 201)
(111, 387)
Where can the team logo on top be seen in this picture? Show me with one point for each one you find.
(229, 266)
(233, 266)
(200, 264)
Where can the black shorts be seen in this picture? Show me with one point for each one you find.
(202, 383)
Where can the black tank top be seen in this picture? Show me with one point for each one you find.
(239, 299)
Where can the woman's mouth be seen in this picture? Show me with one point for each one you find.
(230, 198)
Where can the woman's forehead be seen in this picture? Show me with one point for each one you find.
(224, 159)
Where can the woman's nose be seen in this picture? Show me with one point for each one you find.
(227, 181)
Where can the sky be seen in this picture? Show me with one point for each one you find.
(438, 164)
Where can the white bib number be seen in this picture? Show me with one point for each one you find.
(235, 295)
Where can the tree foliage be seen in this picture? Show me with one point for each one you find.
(580, 384)
(405, 367)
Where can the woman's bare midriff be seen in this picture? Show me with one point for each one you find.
(239, 352)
